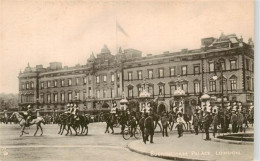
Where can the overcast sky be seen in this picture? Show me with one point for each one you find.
(40, 32)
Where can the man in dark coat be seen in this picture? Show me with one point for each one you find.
(215, 123)
(207, 123)
(149, 128)
(195, 122)
(141, 125)
(164, 121)
(233, 121)
(29, 115)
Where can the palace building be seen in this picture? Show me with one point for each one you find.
(222, 66)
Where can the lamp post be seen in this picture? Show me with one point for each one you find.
(215, 77)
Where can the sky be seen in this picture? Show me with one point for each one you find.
(40, 32)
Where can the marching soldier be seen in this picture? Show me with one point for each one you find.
(207, 123)
(234, 122)
(195, 122)
(164, 121)
(141, 125)
(149, 128)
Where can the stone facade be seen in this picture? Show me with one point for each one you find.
(106, 77)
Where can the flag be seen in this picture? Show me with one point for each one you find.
(118, 27)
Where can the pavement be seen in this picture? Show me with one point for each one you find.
(51, 146)
(193, 147)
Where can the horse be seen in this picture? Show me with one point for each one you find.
(172, 120)
(82, 123)
(66, 120)
(22, 123)
(156, 119)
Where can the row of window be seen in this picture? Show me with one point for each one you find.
(222, 64)
(28, 85)
(104, 78)
(161, 72)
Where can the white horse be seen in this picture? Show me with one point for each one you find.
(22, 122)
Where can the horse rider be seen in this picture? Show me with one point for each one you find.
(29, 115)
(180, 123)
(68, 109)
(149, 128)
(75, 112)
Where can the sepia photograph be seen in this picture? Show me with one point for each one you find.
(121, 80)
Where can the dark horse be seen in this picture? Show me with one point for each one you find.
(66, 120)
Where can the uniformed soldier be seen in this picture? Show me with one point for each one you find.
(195, 122)
(233, 121)
(164, 121)
(29, 115)
(215, 123)
(141, 125)
(207, 123)
(149, 128)
(240, 121)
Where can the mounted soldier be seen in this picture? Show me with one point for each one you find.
(29, 115)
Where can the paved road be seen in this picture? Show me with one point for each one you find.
(51, 146)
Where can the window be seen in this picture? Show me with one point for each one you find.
(118, 76)
(161, 90)
(112, 93)
(184, 70)
(223, 64)
(233, 83)
(89, 80)
(196, 69)
(172, 88)
(27, 85)
(84, 81)
(77, 81)
(139, 75)
(77, 96)
(62, 96)
(48, 98)
(84, 95)
(112, 77)
(140, 89)
(42, 98)
(212, 85)
(62, 83)
(196, 87)
(55, 83)
(32, 85)
(105, 78)
(89, 91)
(247, 64)
(42, 85)
(117, 90)
(69, 82)
(69, 96)
(130, 92)
(130, 76)
(98, 94)
(248, 83)
(172, 71)
(48, 84)
(211, 67)
(150, 89)
(150, 74)
(23, 86)
(97, 79)
(184, 87)
(161, 73)
(233, 64)
(55, 97)
(104, 93)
